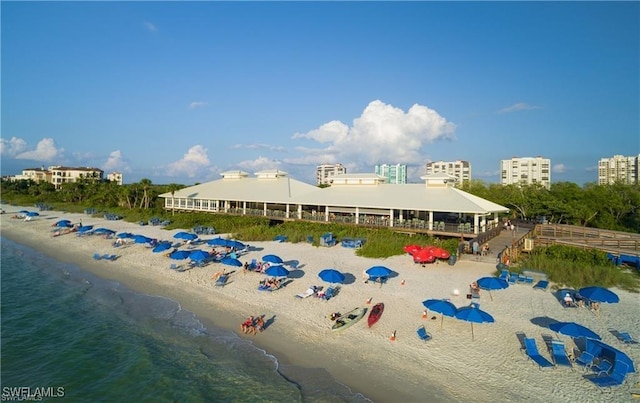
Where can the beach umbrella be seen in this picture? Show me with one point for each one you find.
(492, 283)
(441, 306)
(438, 252)
(24, 211)
(179, 254)
(187, 236)
(277, 271)
(103, 230)
(161, 247)
(331, 276)
(272, 259)
(63, 224)
(84, 229)
(141, 239)
(574, 330)
(377, 272)
(125, 235)
(199, 255)
(32, 214)
(599, 294)
(232, 243)
(229, 261)
(217, 241)
(411, 249)
(424, 256)
(473, 315)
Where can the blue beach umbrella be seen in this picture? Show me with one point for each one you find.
(331, 276)
(217, 242)
(84, 229)
(232, 243)
(272, 259)
(141, 239)
(276, 271)
(103, 230)
(199, 255)
(229, 261)
(473, 315)
(32, 214)
(161, 247)
(574, 330)
(125, 235)
(187, 236)
(63, 224)
(492, 283)
(599, 294)
(377, 272)
(179, 254)
(441, 306)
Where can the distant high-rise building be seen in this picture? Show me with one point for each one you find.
(618, 169)
(393, 173)
(526, 171)
(461, 170)
(326, 172)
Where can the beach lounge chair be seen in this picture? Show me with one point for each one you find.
(173, 266)
(559, 354)
(616, 377)
(624, 337)
(531, 349)
(513, 278)
(329, 293)
(602, 367)
(109, 257)
(528, 279)
(97, 256)
(586, 359)
(222, 280)
(309, 292)
(504, 275)
(423, 334)
(541, 285)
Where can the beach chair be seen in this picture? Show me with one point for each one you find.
(559, 354)
(504, 275)
(309, 292)
(522, 278)
(531, 350)
(586, 359)
(173, 266)
(541, 285)
(513, 278)
(423, 334)
(602, 367)
(222, 280)
(329, 293)
(616, 377)
(624, 337)
(528, 280)
(97, 256)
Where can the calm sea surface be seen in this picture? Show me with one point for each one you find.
(68, 333)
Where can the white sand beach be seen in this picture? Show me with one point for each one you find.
(449, 367)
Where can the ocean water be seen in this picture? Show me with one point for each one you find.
(70, 336)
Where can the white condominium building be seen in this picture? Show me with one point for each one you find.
(326, 172)
(461, 170)
(392, 173)
(526, 171)
(618, 169)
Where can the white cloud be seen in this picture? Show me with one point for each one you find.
(12, 147)
(559, 169)
(520, 106)
(191, 165)
(115, 162)
(259, 164)
(258, 147)
(150, 26)
(197, 104)
(382, 134)
(45, 151)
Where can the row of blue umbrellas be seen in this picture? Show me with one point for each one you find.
(468, 313)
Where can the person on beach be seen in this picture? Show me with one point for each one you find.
(568, 300)
(476, 248)
(247, 325)
(259, 325)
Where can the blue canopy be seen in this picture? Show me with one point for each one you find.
(573, 329)
(125, 235)
(473, 315)
(602, 350)
(103, 230)
(141, 239)
(162, 246)
(272, 259)
(218, 242)
(179, 254)
(376, 272)
(331, 276)
(85, 228)
(187, 236)
(599, 294)
(441, 306)
(199, 255)
(492, 283)
(277, 271)
(231, 261)
(63, 224)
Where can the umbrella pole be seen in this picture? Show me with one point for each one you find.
(441, 321)
(472, 335)
(490, 295)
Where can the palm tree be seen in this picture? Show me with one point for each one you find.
(172, 187)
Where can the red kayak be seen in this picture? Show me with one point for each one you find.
(375, 314)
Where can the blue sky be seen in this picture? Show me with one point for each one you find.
(180, 92)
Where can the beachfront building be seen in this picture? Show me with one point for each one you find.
(461, 170)
(392, 173)
(115, 177)
(526, 171)
(619, 169)
(434, 206)
(326, 172)
(58, 175)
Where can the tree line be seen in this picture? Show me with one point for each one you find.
(613, 207)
